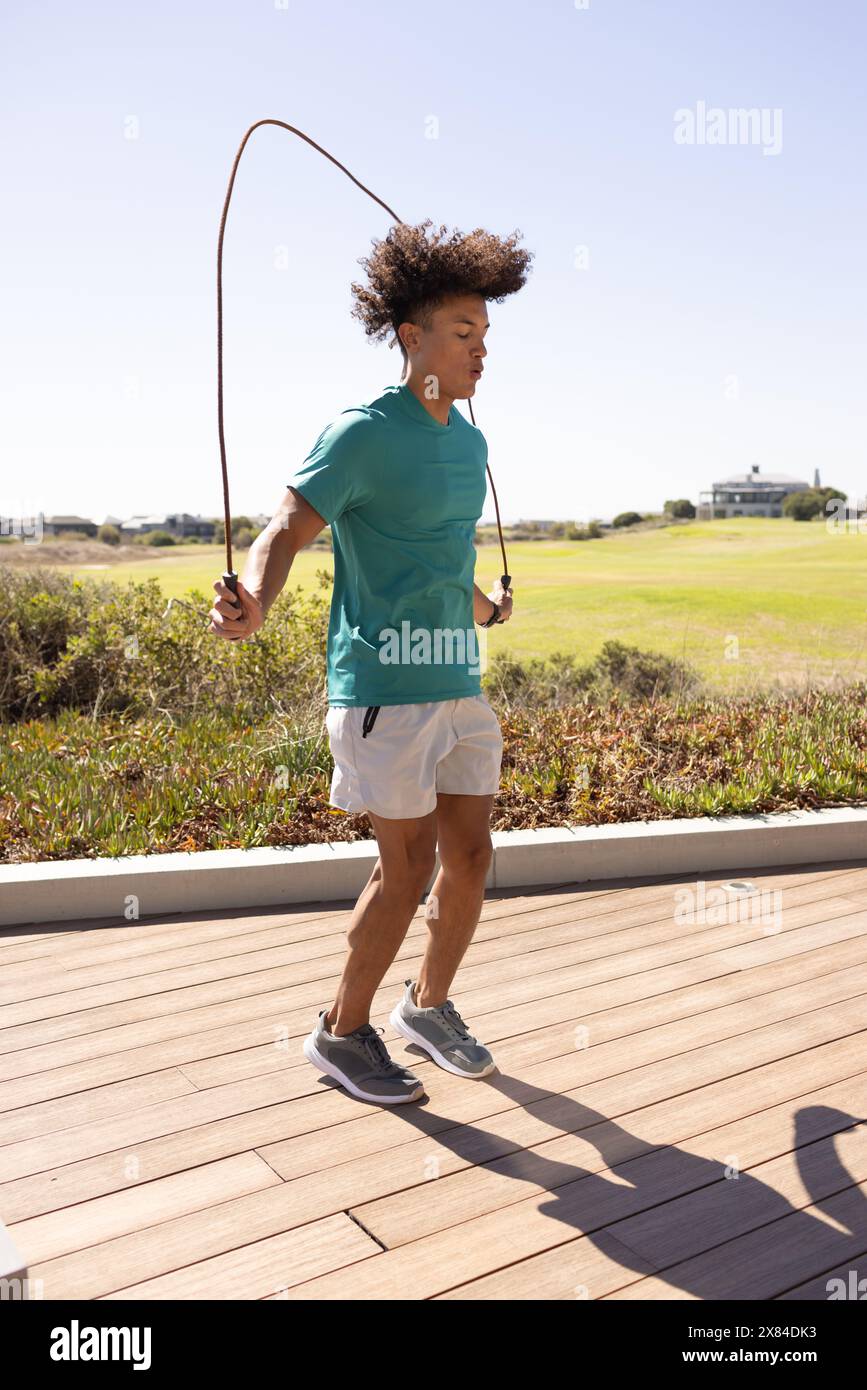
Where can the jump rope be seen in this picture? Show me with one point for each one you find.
(230, 578)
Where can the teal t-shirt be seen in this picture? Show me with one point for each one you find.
(402, 495)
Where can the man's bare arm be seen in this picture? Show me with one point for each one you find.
(482, 604)
(269, 560)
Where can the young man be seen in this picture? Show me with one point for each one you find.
(401, 482)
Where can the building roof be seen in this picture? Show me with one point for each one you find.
(760, 480)
(139, 521)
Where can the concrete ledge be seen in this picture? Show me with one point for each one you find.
(141, 885)
(701, 844)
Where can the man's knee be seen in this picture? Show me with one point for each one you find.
(411, 871)
(470, 861)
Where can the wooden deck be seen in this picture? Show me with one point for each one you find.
(674, 1113)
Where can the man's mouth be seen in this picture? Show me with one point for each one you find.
(475, 372)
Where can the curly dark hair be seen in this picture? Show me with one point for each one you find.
(410, 275)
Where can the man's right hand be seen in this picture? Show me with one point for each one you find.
(231, 622)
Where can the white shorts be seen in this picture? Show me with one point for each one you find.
(393, 759)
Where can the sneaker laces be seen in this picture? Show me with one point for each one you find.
(378, 1052)
(454, 1018)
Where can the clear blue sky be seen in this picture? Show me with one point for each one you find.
(720, 321)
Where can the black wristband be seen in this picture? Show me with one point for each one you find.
(495, 616)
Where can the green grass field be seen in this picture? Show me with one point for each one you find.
(749, 602)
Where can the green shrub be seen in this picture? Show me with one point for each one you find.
(681, 506)
(95, 646)
(812, 502)
(156, 538)
(627, 519)
(618, 670)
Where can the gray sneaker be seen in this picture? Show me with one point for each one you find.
(359, 1061)
(442, 1033)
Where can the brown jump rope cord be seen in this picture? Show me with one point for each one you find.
(230, 578)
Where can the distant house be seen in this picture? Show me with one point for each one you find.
(751, 494)
(61, 525)
(178, 524)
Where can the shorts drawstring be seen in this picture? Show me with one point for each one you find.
(369, 719)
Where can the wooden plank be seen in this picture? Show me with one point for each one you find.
(356, 1161)
(86, 941)
(280, 1032)
(88, 936)
(844, 1282)
(763, 1263)
(13, 1268)
(655, 1022)
(48, 989)
(265, 1268)
(735, 1203)
(183, 1113)
(13, 937)
(775, 1123)
(493, 1006)
(557, 1009)
(550, 1275)
(141, 1205)
(637, 949)
(123, 1265)
(613, 1009)
(446, 1260)
(32, 1121)
(374, 1130)
(147, 937)
(87, 944)
(409, 1213)
(26, 983)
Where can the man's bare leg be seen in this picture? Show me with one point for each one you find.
(454, 903)
(381, 917)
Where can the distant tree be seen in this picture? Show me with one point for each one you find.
(557, 529)
(156, 538)
(680, 507)
(627, 519)
(108, 534)
(803, 506)
(594, 530)
(243, 538)
(239, 523)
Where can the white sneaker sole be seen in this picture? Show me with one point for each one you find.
(398, 1022)
(313, 1055)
